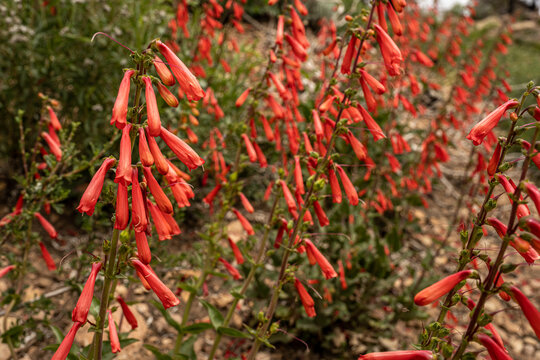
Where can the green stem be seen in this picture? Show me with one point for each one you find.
(97, 343)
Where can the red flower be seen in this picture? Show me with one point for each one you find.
(494, 350)
(144, 151)
(152, 111)
(163, 72)
(121, 104)
(342, 275)
(325, 266)
(352, 195)
(167, 96)
(231, 269)
(289, 199)
(53, 145)
(334, 186)
(531, 313)
(47, 257)
(305, 298)
(237, 253)
(80, 312)
(163, 292)
(390, 52)
(245, 223)
(127, 313)
(494, 161)
(279, 235)
(372, 82)
(181, 149)
(399, 355)
(321, 216)
(53, 119)
(5, 270)
(246, 204)
(93, 190)
(138, 210)
(186, 80)
(534, 194)
(372, 126)
(162, 165)
(242, 98)
(46, 226)
(249, 148)
(299, 180)
(65, 347)
(143, 250)
(163, 228)
(480, 130)
(122, 208)
(113, 335)
(349, 54)
(123, 169)
(510, 188)
(441, 287)
(394, 20)
(161, 199)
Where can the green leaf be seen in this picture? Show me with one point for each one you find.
(197, 328)
(215, 316)
(175, 324)
(232, 332)
(187, 348)
(57, 333)
(158, 354)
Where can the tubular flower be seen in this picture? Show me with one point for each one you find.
(113, 334)
(390, 52)
(372, 126)
(510, 188)
(279, 235)
(494, 350)
(245, 223)
(534, 194)
(65, 347)
(299, 180)
(162, 165)
(399, 355)
(138, 210)
(80, 312)
(305, 298)
(242, 98)
(531, 313)
(325, 266)
(350, 191)
(249, 148)
(372, 82)
(158, 287)
(163, 228)
(6, 269)
(122, 208)
(163, 72)
(167, 96)
(334, 186)
(321, 215)
(237, 253)
(144, 151)
(93, 190)
(441, 287)
(349, 54)
(186, 80)
(246, 204)
(53, 145)
(161, 199)
(47, 257)
(54, 119)
(143, 250)
(123, 169)
(231, 269)
(121, 104)
(152, 111)
(182, 150)
(46, 226)
(127, 313)
(494, 161)
(480, 130)
(289, 199)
